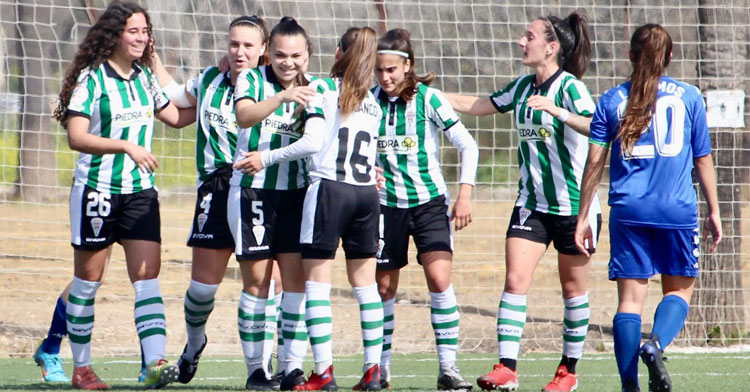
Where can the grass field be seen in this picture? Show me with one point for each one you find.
(597, 372)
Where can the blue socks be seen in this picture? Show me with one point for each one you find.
(626, 329)
(58, 329)
(669, 318)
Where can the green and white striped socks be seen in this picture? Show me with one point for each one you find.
(371, 321)
(319, 321)
(251, 322)
(199, 302)
(80, 319)
(149, 319)
(445, 317)
(511, 317)
(575, 325)
(294, 330)
(389, 324)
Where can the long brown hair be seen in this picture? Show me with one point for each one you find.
(399, 40)
(259, 24)
(650, 50)
(355, 67)
(572, 33)
(99, 44)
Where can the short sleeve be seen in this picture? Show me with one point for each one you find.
(315, 106)
(193, 85)
(700, 138)
(578, 98)
(504, 100)
(247, 85)
(161, 100)
(84, 94)
(601, 125)
(440, 111)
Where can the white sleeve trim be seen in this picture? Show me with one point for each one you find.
(310, 143)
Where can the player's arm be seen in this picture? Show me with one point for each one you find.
(467, 147)
(580, 124)
(704, 169)
(79, 139)
(250, 113)
(592, 176)
(177, 93)
(176, 117)
(469, 104)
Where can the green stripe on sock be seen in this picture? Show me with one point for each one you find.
(319, 339)
(318, 320)
(388, 318)
(291, 335)
(80, 301)
(198, 313)
(198, 303)
(147, 317)
(317, 302)
(574, 339)
(151, 332)
(575, 324)
(581, 306)
(292, 316)
(508, 338)
(451, 342)
(514, 323)
(79, 320)
(447, 324)
(79, 339)
(387, 332)
(250, 316)
(386, 346)
(450, 310)
(149, 301)
(371, 306)
(196, 324)
(252, 337)
(515, 308)
(371, 324)
(373, 342)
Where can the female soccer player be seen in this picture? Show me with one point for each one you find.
(265, 208)
(341, 202)
(658, 132)
(107, 104)
(552, 110)
(212, 93)
(415, 200)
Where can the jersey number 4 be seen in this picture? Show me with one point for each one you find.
(355, 158)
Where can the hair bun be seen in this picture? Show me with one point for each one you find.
(287, 19)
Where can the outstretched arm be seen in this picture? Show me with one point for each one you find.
(592, 175)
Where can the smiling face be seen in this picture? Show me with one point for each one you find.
(536, 50)
(390, 72)
(289, 57)
(134, 38)
(245, 47)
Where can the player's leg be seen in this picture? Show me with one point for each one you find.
(319, 320)
(47, 355)
(253, 321)
(526, 242)
(273, 311)
(212, 245)
(630, 264)
(292, 319)
(393, 248)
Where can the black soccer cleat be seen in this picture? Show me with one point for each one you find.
(652, 356)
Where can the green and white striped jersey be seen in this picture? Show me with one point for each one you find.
(551, 155)
(117, 109)
(280, 129)
(408, 146)
(216, 138)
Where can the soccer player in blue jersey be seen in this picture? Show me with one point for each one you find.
(656, 127)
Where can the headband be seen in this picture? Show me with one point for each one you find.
(251, 20)
(396, 52)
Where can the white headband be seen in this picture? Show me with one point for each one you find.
(396, 52)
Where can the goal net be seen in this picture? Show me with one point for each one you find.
(471, 46)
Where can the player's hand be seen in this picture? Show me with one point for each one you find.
(145, 161)
(379, 178)
(712, 225)
(250, 164)
(300, 94)
(584, 237)
(224, 64)
(539, 102)
(461, 213)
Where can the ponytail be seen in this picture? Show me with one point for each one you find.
(355, 67)
(650, 50)
(399, 40)
(572, 33)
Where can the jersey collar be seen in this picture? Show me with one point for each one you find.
(542, 88)
(382, 96)
(113, 74)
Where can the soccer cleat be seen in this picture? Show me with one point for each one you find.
(323, 382)
(500, 378)
(160, 373)
(652, 356)
(563, 381)
(290, 381)
(85, 378)
(385, 377)
(142, 375)
(258, 382)
(51, 365)
(450, 379)
(370, 381)
(188, 366)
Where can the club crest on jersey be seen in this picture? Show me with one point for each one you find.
(411, 119)
(398, 144)
(79, 97)
(259, 232)
(202, 218)
(96, 225)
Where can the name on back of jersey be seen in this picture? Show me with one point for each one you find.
(369, 109)
(397, 144)
(538, 132)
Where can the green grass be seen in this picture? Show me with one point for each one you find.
(597, 372)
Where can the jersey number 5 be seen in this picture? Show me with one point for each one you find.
(355, 158)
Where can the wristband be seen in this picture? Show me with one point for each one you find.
(563, 116)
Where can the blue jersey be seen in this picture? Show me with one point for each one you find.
(653, 186)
